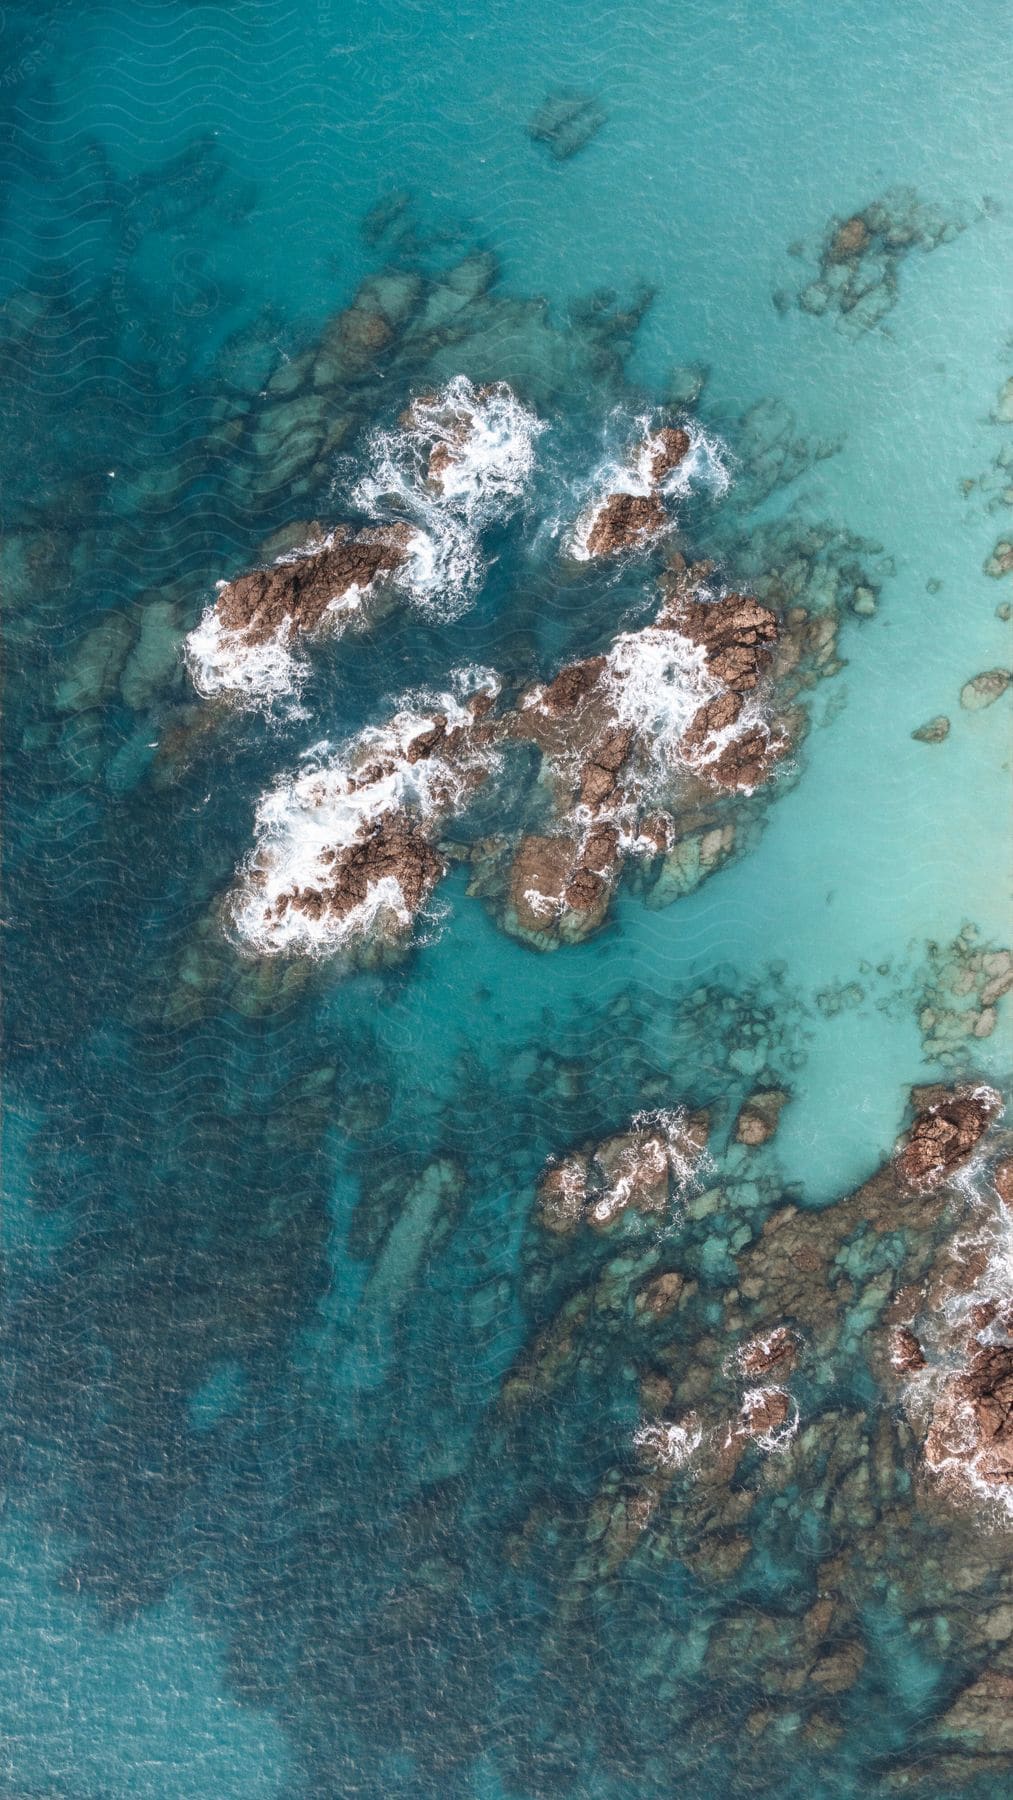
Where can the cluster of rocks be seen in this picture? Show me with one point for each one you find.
(377, 875)
(859, 258)
(738, 1377)
(957, 994)
(641, 1169)
(619, 787)
(627, 519)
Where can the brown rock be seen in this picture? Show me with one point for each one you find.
(758, 1119)
(1003, 1178)
(850, 240)
(764, 1410)
(944, 1135)
(294, 595)
(668, 447)
(624, 520)
(736, 633)
(906, 1353)
(571, 685)
(562, 1195)
(777, 1349)
(393, 848)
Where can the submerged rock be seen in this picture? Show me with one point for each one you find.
(565, 122)
(983, 690)
(933, 731)
(859, 258)
(758, 1120)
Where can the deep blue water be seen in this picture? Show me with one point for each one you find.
(270, 1526)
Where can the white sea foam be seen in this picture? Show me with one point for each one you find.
(484, 440)
(776, 1437)
(225, 662)
(669, 1445)
(657, 680)
(661, 1149)
(326, 807)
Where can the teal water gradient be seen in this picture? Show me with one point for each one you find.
(232, 1470)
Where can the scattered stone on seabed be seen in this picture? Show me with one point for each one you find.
(566, 121)
(933, 731)
(759, 1116)
(984, 689)
(1000, 562)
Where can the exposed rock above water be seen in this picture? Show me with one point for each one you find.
(944, 1134)
(295, 594)
(627, 518)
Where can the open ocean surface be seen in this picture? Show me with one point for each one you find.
(271, 1524)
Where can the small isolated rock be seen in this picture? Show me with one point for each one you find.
(933, 731)
(1001, 560)
(565, 122)
(984, 689)
(864, 602)
(1003, 1178)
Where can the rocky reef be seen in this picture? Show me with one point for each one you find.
(347, 849)
(631, 516)
(857, 278)
(737, 1367)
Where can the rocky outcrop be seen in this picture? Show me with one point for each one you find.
(627, 519)
(944, 1135)
(294, 595)
(624, 521)
(640, 1169)
(393, 852)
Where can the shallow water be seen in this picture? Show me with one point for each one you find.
(269, 1256)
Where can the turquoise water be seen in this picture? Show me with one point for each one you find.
(270, 1526)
